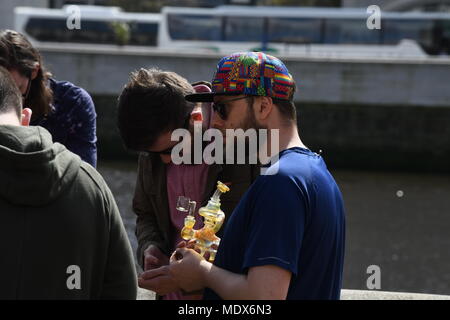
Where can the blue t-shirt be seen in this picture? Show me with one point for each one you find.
(295, 220)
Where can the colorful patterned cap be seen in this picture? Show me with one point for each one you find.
(249, 73)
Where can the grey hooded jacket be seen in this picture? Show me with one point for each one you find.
(61, 234)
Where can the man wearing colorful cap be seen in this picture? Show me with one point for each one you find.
(285, 239)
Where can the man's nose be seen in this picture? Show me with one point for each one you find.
(217, 121)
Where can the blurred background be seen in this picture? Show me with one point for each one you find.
(374, 100)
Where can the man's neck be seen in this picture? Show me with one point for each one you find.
(9, 118)
(288, 137)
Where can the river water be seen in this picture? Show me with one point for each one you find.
(399, 222)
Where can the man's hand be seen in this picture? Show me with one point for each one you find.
(189, 268)
(154, 258)
(158, 280)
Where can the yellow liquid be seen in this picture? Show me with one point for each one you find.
(187, 233)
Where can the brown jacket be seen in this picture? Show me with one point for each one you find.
(153, 225)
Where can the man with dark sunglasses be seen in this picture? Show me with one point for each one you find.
(285, 239)
(150, 107)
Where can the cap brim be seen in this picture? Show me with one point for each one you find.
(208, 96)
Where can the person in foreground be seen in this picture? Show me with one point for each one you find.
(61, 235)
(285, 239)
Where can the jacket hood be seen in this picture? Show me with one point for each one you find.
(34, 171)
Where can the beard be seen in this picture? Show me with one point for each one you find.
(249, 122)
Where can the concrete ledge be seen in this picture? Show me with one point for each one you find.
(145, 294)
(347, 295)
(387, 295)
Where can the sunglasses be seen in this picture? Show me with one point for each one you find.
(220, 107)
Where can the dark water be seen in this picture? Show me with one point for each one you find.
(397, 221)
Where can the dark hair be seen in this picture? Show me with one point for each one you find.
(286, 108)
(151, 103)
(10, 97)
(17, 53)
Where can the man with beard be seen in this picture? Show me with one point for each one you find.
(285, 239)
(150, 108)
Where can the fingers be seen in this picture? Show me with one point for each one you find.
(177, 255)
(151, 262)
(206, 255)
(154, 273)
(161, 284)
(181, 244)
(191, 244)
(154, 251)
(196, 249)
(180, 254)
(146, 284)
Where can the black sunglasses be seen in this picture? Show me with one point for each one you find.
(220, 107)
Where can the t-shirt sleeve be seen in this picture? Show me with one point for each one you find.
(277, 224)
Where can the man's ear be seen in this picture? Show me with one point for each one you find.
(26, 117)
(265, 108)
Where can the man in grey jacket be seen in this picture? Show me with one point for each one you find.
(61, 234)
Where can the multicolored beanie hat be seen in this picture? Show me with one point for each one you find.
(249, 73)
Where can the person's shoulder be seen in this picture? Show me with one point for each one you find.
(301, 164)
(93, 182)
(295, 167)
(285, 165)
(64, 87)
(65, 91)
